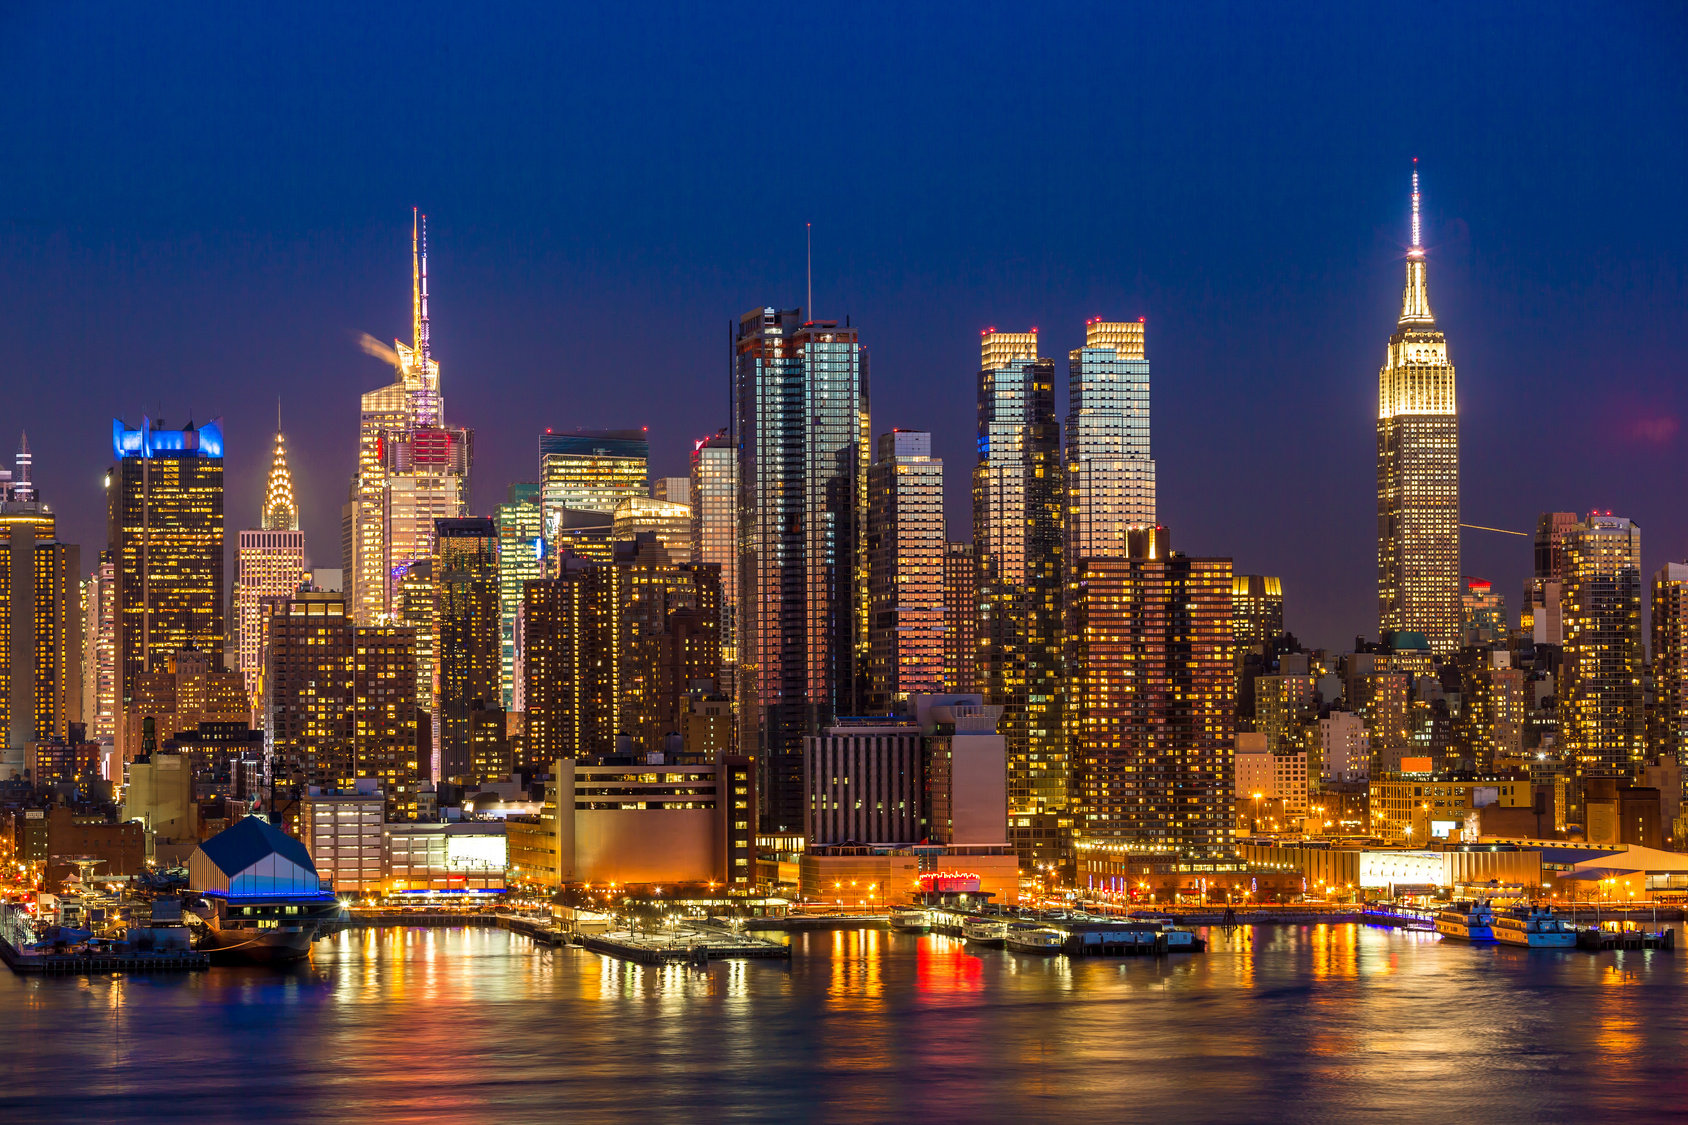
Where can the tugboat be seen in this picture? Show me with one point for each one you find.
(258, 894)
(1467, 921)
(1537, 928)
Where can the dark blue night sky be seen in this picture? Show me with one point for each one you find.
(201, 210)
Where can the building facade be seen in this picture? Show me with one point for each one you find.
(1602, 724)
(41, 629)
(1670, 661)
(713, 494)
(961, 617)
(905, 558)
(1418, 471)
(1018, 496)
(590, 471)
(521, 559)
(1110, 473)
(467, 647)
(800, 424)
(865, 783)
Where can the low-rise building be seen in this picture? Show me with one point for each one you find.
(1418, 806)
(451, 857)
(343, 833)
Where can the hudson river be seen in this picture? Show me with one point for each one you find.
(1340, 1023)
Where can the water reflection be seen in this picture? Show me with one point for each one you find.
(1340, 1022)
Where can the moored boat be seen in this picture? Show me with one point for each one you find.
(910, 920)
(1031, 939)
(258, 895)
(1467, 921)
(985, 931)
(1536, 928)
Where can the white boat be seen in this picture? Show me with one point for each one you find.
(1537, 928)
(1467, 921)
(909, 920)
(1033, 940)
(1181, 940)
(985, 931)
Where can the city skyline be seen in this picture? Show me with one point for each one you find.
(1263, 258)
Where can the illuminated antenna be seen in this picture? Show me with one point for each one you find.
(810, 228)
(415, 283)
(1418, 249)
(422, 341)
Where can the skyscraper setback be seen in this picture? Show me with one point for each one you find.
(1018, 495)
(1418, 471)
(412, 469)
(1110, 475)
(800, 421)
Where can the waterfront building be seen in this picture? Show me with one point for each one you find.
(714, 499)
(642, 824)
(41, 631)
(966, 770)
(521, 559)
(1670, 661)
(190, 689)
(671, 524)
(412, 469)
(99, 652)
(591, 471)
(1151, 697)
(1602, 724)
(269, 562)
(1541, 615)
(865, 783)
(1418, 806)
(1418, 471)
(342, 831)
(1482, 614)
(1110, 474)
(961, 617)
(905, 557)
(459, 858)
(800, 423)
(165, 530)
(466, 637)
(1018, 497)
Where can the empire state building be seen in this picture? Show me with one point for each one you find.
(1418, 471)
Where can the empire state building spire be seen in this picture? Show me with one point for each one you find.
(1418, 471)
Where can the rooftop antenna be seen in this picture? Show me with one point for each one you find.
(810, 228)
(423, 344)
(1418, 249)
(415, 282)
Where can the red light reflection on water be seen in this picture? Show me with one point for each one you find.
(944, 965)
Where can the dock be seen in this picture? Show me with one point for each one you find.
(692, 947)
(797, 922)
(29, 963)
(1598, 941)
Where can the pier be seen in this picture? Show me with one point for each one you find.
(694, 947)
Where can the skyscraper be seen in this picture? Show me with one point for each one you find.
(714, 499)
(41, 635)
(1601, 722)
(1110, 475)
(1541, 615)
(269, 562)
(800, 419)
(1018, 494)
(1418, 471)
(165, 529)
(591, 471)
(1670, 660)
(99, 652)
(961, 617)
(521, 558)
(412, 468)
(1257, 611)
(905, 558)
(1151, 698)
(466, 631)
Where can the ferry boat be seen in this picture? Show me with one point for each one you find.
(1537, 928)
(1467, 921)
(258, 895)
(985, 931)
(910, 920)
(1030, 939)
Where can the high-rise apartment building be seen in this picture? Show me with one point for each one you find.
(1670, 661)
(1418, 471)
(591, 471)
(1110, 475)
(99, 652)
(1602, 725)
(412, 470)
(41, 632)
(905, 560)
(165, 533)
(1151, 699)
(1257, 611)
(1543, 593)
(714, 500)
(1018, 495)
(521, 559)
(961, 617)
(611, 651)
(269, 562)
(800, 422)
(340, 700)
(1482, 613)
(466, 636)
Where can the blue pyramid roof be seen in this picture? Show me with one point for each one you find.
(237, 848)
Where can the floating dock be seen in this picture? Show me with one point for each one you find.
(29, 963)
(1597, 941)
